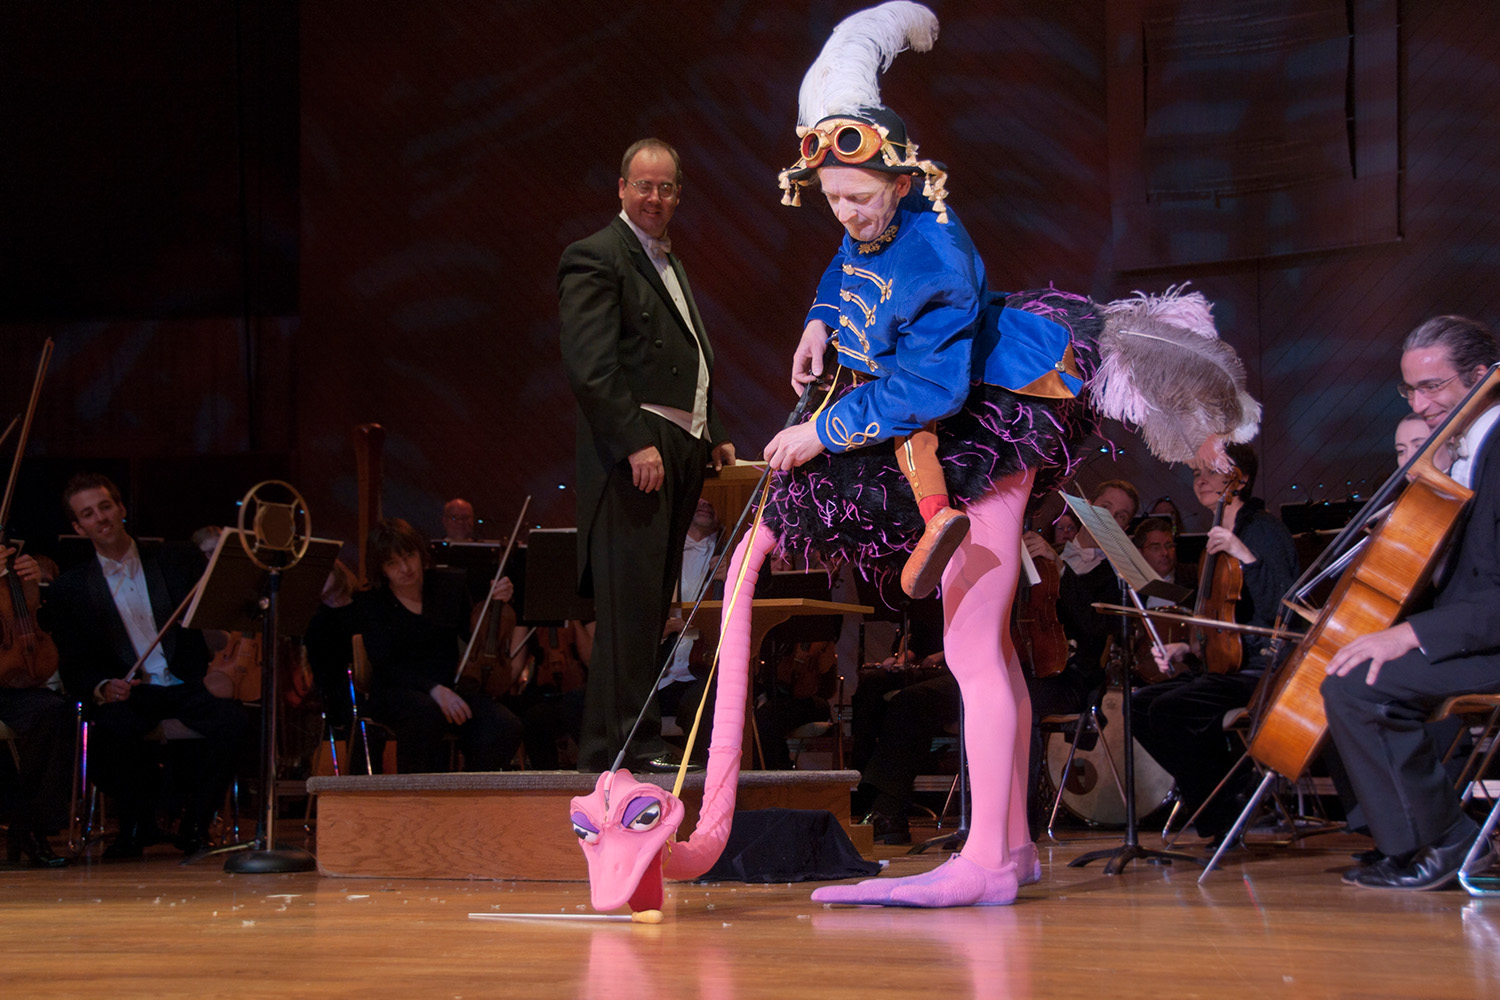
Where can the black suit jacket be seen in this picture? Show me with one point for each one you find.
(1465, 617)
(92, 643)
(624, 343)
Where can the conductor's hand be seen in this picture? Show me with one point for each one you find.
(1172, 661)
(646, 470)
(1377, 647)
(807, 362)
(723, 454)
(1038, 546)
(793, 446)
(454, 708)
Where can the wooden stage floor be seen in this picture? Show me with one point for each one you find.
(1274, 923)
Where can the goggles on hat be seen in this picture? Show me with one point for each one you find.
(852, 142)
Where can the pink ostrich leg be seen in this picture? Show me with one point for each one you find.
(978, 586)
(698, 853)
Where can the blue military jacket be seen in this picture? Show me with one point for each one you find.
(911, 308)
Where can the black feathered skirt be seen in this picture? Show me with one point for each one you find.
(858, 505)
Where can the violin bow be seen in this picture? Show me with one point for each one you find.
(489, 598)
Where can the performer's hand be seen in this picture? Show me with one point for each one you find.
(25, 567)
(646, 470)
(454, 708)
(1037, 546)
(1172, 661)
(502, 589)
(1377, 647)
(793, 446)
(1221, 539)
(807, 362)
(723, 454)
(117, 689)
(672, 627)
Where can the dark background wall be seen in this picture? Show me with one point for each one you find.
(251, 226)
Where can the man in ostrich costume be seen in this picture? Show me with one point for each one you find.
(998, 391)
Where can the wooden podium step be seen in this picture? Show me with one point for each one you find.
(509, 824)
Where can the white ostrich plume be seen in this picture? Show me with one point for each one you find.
(845, 76)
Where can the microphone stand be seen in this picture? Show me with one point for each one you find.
(1117, 858)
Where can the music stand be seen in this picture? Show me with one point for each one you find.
(1136, 578)
(229, 599)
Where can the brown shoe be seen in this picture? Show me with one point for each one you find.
(924, 567)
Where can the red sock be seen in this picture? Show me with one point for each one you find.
(930, 505)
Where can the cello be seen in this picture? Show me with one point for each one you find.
(28, 656)
(1379, 582)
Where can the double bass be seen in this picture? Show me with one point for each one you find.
(1380, 581)
(28, 656)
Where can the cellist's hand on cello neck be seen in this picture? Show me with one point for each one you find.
(1378, 648)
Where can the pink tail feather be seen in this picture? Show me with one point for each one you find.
(697, 854)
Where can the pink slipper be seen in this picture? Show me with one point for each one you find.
(956, 882)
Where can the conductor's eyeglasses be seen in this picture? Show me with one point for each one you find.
(666, 189)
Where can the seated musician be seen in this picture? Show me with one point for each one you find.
(37, 802)
(1086, 579)
(550, 702)
(1411, 434)
(899, 706)
(415, 624)
(1382, 686)
(1157, 540)
(1180, 721)
(105, 615)
(458, 520)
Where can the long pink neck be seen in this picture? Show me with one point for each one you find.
(698, 853)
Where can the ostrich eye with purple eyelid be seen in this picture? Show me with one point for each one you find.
(642, 813)
(584, 828)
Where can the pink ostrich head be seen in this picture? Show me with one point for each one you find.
(622, 826)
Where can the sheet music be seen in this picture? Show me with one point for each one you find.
(1121, 552)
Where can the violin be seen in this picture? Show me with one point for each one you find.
(234, 671)
(28, 656)
(1034, 626)
(1220, 581)
(562, 666)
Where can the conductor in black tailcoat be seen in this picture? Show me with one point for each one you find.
(640, 365)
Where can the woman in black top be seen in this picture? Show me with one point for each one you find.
(415, 623)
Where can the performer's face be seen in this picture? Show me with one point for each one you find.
(403, 570)
(864, 201)
(1435, 384)
(1160, 551)
(97, 517)
(1118, 503)
(1209, 485)
(652, 213)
